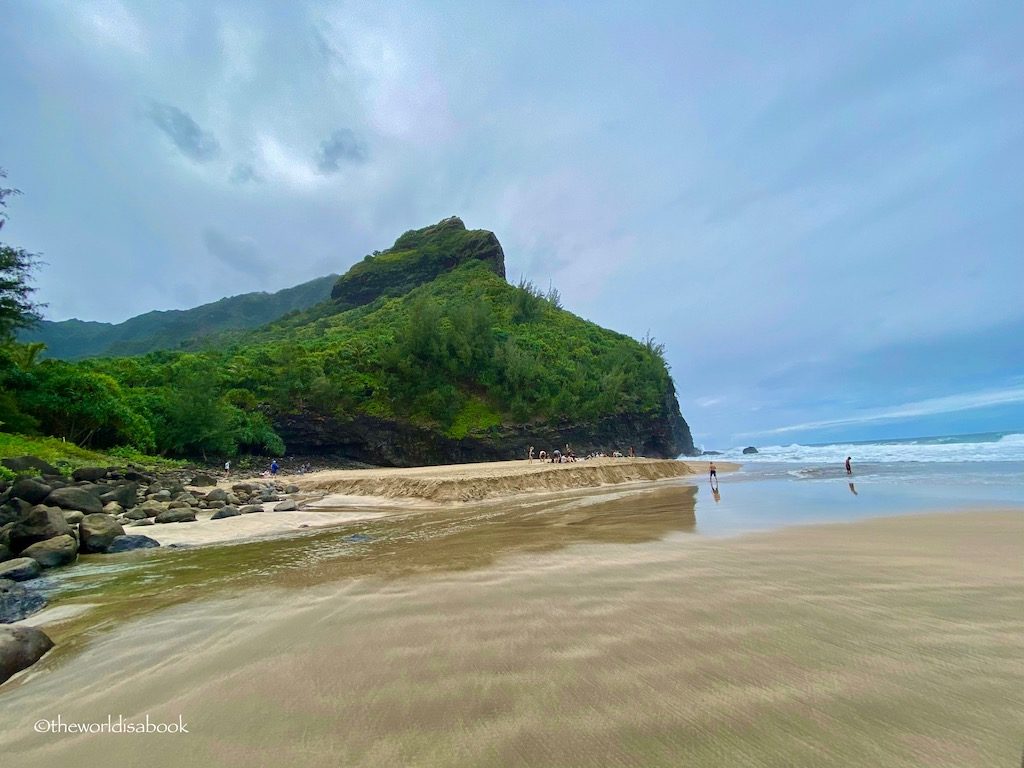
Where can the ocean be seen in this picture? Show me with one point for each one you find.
(797, 484)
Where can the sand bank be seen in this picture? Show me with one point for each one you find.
(891, 642)
(489, 480)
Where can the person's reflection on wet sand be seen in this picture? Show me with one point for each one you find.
(714, 492)
(853, 490)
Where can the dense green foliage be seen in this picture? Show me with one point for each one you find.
(17, 310)
(461, 353)
(173, 329)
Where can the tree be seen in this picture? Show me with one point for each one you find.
(17, 310)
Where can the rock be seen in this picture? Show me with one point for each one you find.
(31, 491)
(225, 511)
(750, 449)
(89, 473)
(17, 603)
(129, 543)
(20, 648)
(270, 497)
(291, 488)
(186, 497)
(137, 477)
(5, 553)
(135, 514)
(20, 569)
(29, 464)
(176, 516)
(72, 516)
(245, 488)
(233, 500)
(217, 494)
(163, 495)
(285, 506)
(74, 497)
(41, 523)
(249, 509)
(126, 495)
(143, 521)
(97, 532)
(214, 504)
(53, 553)
(151, 508)
(201, 479)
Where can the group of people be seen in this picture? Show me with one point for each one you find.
(559, 457)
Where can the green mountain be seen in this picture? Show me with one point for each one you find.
(77, 339)
(425, 354)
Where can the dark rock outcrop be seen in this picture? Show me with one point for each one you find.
(749, 450)
(97, 532)
(90, 474)
(226, 511)
(125, 494)
(29, 464)
(20, 648)
(129, 543)
(41, 523)
(30, 490)
(201, 479)
(74, 497)
(17, 603)
(55, 552)
(176, 516)
(20, 569)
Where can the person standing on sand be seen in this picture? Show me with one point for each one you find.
(531, 454)
(274, 467)
(227, 467)
(712, 472)
(849, 467)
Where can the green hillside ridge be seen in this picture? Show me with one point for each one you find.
(444, 362)
(172, 329)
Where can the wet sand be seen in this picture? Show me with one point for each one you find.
(600, 633)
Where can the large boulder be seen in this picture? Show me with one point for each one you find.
(749, 450)
(97, 532)
(126, 495)
(128, 543)
(29, 464)
(92, 474)
(201, 479)
(250, 509)
(225, 511)
(20, 569)
(55, 552)
(30, 490)
(285, 506)
(41, 523)
(217, 494)
(20, 648)
(74, 497)
(151, 508)
(17, 603)
(177, 516)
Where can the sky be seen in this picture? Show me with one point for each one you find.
(817, 208)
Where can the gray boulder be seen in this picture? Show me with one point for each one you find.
(128, 543)
(41, 523)
(163, 495)
(74, 497)
(29, 464)
(135, 514)
(55, 552)
(112, 508)
(151, 508)
(143, 521)
(749, 450)
(30, 490)
(20, 569)
(201, 479)
(249, 509)
(291, 488)
(225, 511)
(20, 648)
(176, 516)
(126, 495)
(217, 494)
(73, 516)
(97, 532)
(92, 474)
(17, 603)
(285, 506)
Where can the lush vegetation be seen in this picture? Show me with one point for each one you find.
(461, 351)
(67, 456)
(17, 310)
(173, 329)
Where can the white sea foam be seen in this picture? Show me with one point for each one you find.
(963, 448)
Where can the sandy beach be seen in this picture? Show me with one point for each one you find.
(594, 631)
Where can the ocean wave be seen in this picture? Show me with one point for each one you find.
(965, 448)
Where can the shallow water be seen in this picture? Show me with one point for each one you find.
(587, 629)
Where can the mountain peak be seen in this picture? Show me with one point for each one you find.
(417, 257)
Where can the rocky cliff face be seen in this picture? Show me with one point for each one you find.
(417, 257)
(390, 443)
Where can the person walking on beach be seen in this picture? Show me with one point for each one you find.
(531, 454)
(274, 467)
(849, 467)
(712, 472)
(227, 467)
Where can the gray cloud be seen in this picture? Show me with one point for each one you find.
(342, 146)
(195, 143)
(239, 253)
(244, 173)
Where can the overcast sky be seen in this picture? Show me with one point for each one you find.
(817, 207)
